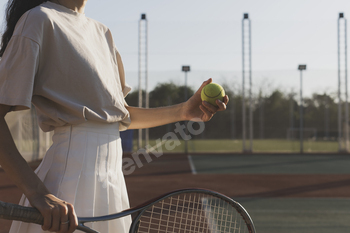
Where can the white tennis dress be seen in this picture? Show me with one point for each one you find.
(83, 167)
(68, 66)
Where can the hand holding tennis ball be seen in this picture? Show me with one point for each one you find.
(211, 92)
(202, 105)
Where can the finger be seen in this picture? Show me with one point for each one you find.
(47, 220)
(56, 220)
(206, 112)
(72, 218)
(64, 224)
(209, 106)
(204, 83)
(207, 82)
(221, 105)
(226, 99)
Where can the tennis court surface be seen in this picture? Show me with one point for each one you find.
(282, 193)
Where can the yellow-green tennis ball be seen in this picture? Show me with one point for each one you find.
(211, 92)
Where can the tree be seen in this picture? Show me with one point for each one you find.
(276, 115)
(320, 112)
(133, 98)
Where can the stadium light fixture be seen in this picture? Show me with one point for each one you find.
(302, 67)
(186, 68)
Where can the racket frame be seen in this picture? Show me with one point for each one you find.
(29, 214)
(240, 209)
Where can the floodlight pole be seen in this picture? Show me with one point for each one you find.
(291, 120)
(246, 18)
(186, 69)
(346, 92)
(339, 90)
(346, 120)
(301, 68)
(326, 116)
(143, 70)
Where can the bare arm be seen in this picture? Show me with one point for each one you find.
(13, 163)
(152, 117)
(33, 188)
(194, 109)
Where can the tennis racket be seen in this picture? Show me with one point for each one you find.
(186, 210)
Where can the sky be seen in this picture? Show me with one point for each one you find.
(206, 34)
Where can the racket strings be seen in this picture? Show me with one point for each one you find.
(190, 219)
(192, 213)
(191, 207)
(201, 226)
(194, 220)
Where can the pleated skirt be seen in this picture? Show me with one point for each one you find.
(84, 167)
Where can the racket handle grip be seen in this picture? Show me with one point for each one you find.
(11, 211)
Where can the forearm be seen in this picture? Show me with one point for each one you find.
(15, 166)
(151, 117)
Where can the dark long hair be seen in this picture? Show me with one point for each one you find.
(14, 10)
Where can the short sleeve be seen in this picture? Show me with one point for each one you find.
(18, 67)
(125, 87)
(126, 90)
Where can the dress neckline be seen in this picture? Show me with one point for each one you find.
(62, 8)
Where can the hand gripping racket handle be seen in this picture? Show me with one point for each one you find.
(20, 213)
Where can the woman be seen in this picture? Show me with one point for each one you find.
(68, 67)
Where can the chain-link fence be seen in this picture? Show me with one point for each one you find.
(276, 113)
(276, 116)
